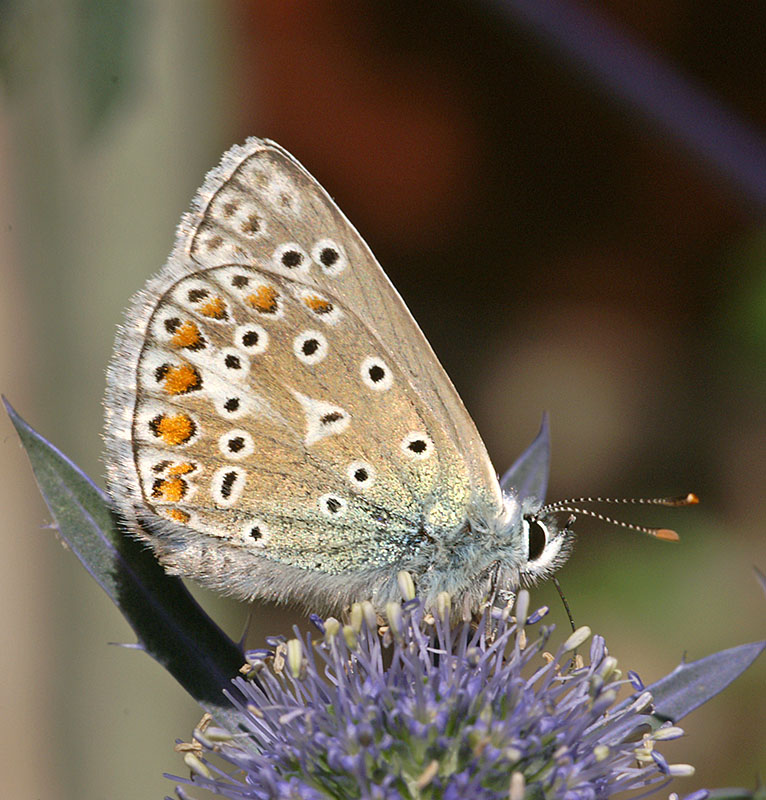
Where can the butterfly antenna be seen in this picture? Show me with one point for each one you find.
(562, 506)
(689, 499)
(659, 533)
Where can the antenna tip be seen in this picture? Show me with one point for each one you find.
(666, 535)
(690, 499)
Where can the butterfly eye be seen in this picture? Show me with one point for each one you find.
(537, 536)
(547, 546)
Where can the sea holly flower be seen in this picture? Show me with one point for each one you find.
(423, 708)
(427, 708)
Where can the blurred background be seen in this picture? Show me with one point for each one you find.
(561, 246)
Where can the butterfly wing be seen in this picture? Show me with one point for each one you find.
(276, 420)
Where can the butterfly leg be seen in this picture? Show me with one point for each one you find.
(499, 596)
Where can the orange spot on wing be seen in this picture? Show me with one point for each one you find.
(177, 515)
(171, 490)
(181, 469)
(179, 380)
(187, 335)
(215, 308)
(174, 430)
(318, 304)
(263, 299)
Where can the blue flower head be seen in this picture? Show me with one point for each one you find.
(424, 708)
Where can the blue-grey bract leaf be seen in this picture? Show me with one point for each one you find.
(691, 685)
(761, 578)
(529, 474)
(738, 793)
(168, 622)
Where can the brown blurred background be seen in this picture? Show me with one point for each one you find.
(560, 251)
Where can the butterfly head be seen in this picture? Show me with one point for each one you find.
(545, 542)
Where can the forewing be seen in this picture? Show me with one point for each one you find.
(267, 185)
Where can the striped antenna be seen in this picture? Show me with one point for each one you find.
(567, 506)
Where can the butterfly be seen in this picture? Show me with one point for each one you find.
(278, 427)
